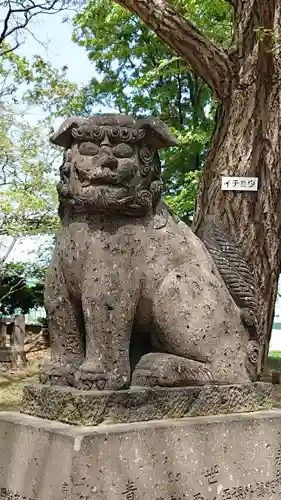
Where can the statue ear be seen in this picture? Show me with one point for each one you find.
(157, 133)
(63, 136)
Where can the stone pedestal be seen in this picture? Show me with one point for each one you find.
(222, 457)
(139, 404)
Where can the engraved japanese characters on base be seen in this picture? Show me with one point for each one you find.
(133, 297)
(226, 457)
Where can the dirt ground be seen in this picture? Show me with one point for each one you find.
(277, 396)
(13, 381)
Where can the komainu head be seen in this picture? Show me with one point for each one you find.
(111, 163)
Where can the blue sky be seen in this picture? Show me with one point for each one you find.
(51, 39)
(58, 46)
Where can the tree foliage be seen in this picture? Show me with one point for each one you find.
(28, 196)
(142, 76)
(133, 80)
(51, 90)
(27, 162)
(21, 287)
(139, 74)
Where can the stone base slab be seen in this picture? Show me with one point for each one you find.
(139, 404)
(222, 457)
(7, 355)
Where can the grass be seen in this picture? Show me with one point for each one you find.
(12, 384)
(274, 361)
(274, 354)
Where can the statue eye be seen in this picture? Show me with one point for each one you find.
(97, 133)
(114, 132)
(88, 149)
(125, 133)
(123, 151)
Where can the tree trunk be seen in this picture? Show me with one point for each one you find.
(247, 139)
(247, 143)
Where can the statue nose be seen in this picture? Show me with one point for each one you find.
(108, 160)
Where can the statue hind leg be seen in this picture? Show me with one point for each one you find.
(168, 370)
(197, 332)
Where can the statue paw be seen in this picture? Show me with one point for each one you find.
(88, 377)
(88, 381)
(58, 374)
(168, 370)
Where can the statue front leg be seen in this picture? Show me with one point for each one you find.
(65, 325)
(109, 298)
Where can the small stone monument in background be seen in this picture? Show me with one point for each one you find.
(18, 337)
(3, 334)
(148, 326)
(7, 352)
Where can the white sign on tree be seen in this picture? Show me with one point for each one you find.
(239, 183)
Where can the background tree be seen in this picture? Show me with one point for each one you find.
(245, 80)
(28, 171)
(28, 196)
(139, 74)
(28, 163)
(21, 287)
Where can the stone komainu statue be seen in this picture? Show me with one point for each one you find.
(133, 297)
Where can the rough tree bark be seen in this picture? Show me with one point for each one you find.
(246, 81)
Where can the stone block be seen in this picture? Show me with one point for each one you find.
(7, 355)
(222, 457)
(138, 404)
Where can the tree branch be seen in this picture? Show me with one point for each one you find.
(252, 19)
(19, 15)
(13, 289)
(11, 49)
(7, 252)
(210, 62)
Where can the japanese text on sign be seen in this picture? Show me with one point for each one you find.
(239, 183)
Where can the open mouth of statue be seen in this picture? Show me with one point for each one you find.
(97, 176)
(101, 175)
